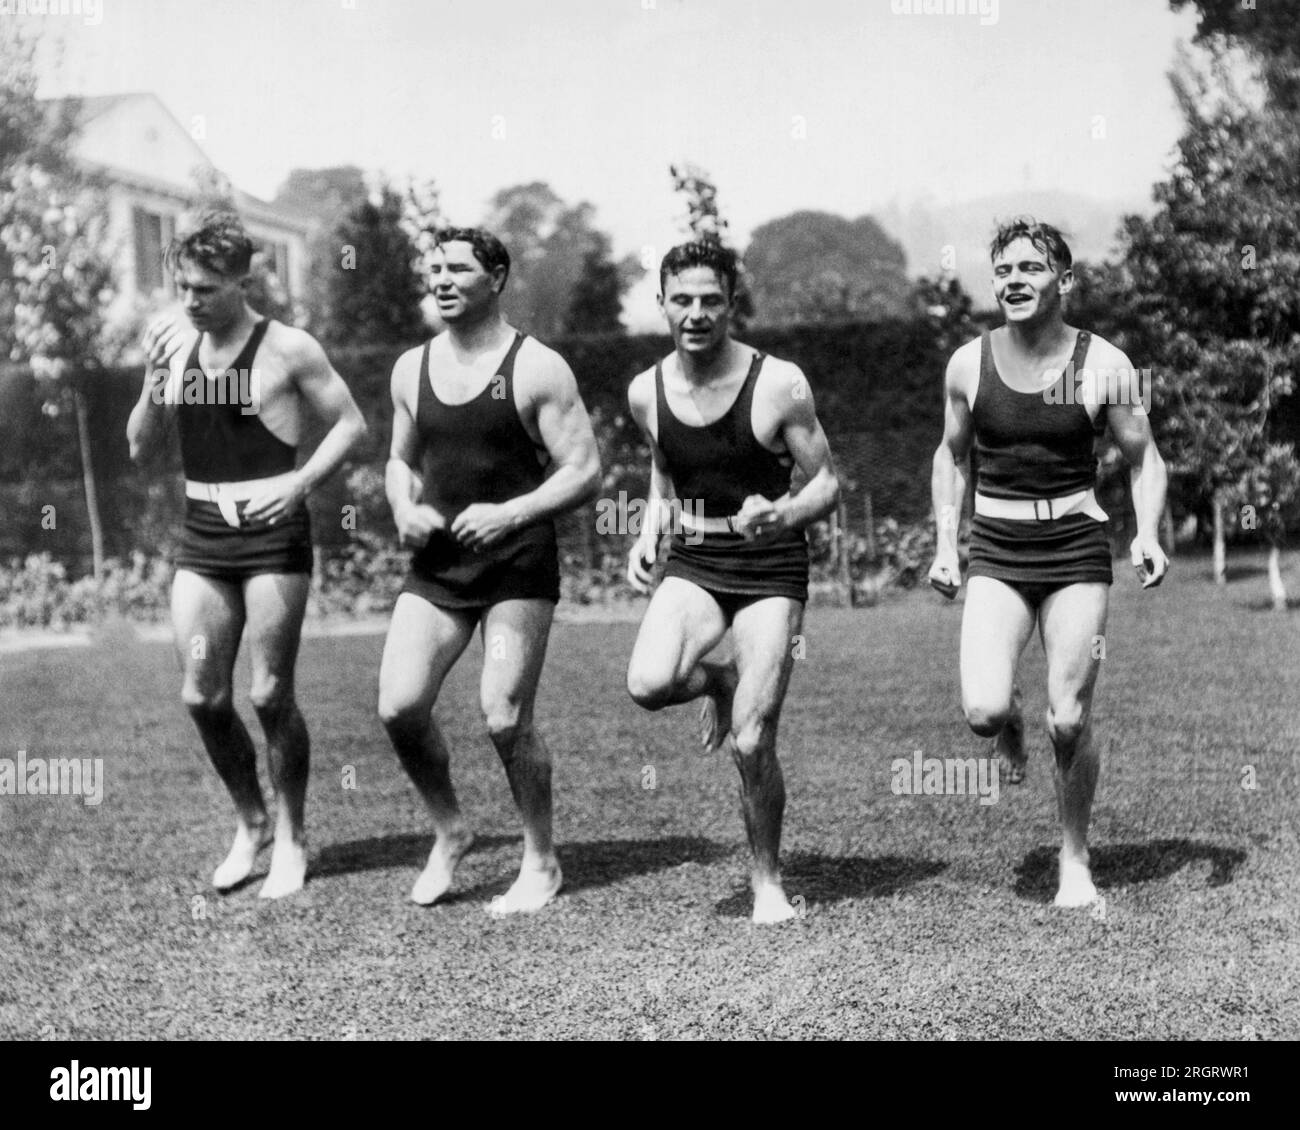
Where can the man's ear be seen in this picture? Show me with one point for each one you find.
(498, 279)
(1067, 281)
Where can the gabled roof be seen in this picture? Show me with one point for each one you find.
(90, 107)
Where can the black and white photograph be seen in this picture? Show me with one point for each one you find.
(650, 521)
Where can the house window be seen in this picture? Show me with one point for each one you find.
(153, 231)
(277, 255)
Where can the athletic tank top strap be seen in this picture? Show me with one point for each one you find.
(479, 450)
(718, 465)
(222, 438)
(1032, 444)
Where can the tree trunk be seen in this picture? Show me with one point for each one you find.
(88, 477)
(1275, 586)
(1220, 557)
(842, 547)
(869, 521)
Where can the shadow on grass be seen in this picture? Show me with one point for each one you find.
(1118, 865)
(1266, 605)
(599, 863)
(828, 878)
(379, 852)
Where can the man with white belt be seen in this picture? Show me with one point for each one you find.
(726, 425)
(238, 386)
(1032, 396)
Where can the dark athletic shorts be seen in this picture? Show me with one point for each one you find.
(208, 545)
(448, 575)
(1037, 558)
(736, 572)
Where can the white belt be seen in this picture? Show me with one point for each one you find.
(1040, 509)
(702, 525)
(225, 495)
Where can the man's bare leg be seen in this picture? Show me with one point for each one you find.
(423, 643)
(275, 604)
(996, 624)
(1072, 621)
(208, 618)
(682, 624)
(1009, 745)
(764, 633)
(515, 634)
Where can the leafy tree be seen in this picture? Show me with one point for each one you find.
(1207, 284)
(326, 195)
(814, 267)
(371, 290)
(561, 274)
(53, 238)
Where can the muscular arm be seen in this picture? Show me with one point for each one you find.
(950, 474)
(323, 389)
(1148, 478)
(565, 430)
(549, 395)
(806, 442)
(400, 478)
(166, 343)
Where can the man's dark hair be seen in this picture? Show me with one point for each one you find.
(215, 239)
(488, 250)
(687, 255)
(1044, 237)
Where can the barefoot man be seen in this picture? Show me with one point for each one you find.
(1032, 396)
(490, 441)
(725, 425)
(239, 386)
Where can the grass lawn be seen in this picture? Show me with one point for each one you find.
(925, 917)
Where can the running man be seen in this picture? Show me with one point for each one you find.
(239, 386)
(491, 441)
(725, 425)
(1032, 396)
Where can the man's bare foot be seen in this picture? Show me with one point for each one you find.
(1009, 748)
(535, 887)
(238, 865)
(771, 905)
(435, 880)
(288, 870)
(1076, 886)
(715, 715)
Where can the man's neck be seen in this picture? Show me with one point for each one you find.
(704, 370)
(1037, 339)
(236, 330)
(478, 337)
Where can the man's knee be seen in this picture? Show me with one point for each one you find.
(649, 689)
(506, 721)
(987, 718)
(1066, 721)
(753, 738)
(207, 703)
(399, 712)
(271, 694)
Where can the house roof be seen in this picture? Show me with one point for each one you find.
(90, 107)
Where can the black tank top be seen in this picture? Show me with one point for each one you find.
(478, 451)
(1033, 444)
(719, 465)
(223, 443)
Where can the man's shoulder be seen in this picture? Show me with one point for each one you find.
(293, 346)
(1103, 354)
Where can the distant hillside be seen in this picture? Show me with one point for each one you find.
(924, 230)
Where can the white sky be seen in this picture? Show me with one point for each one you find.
(596, 97)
